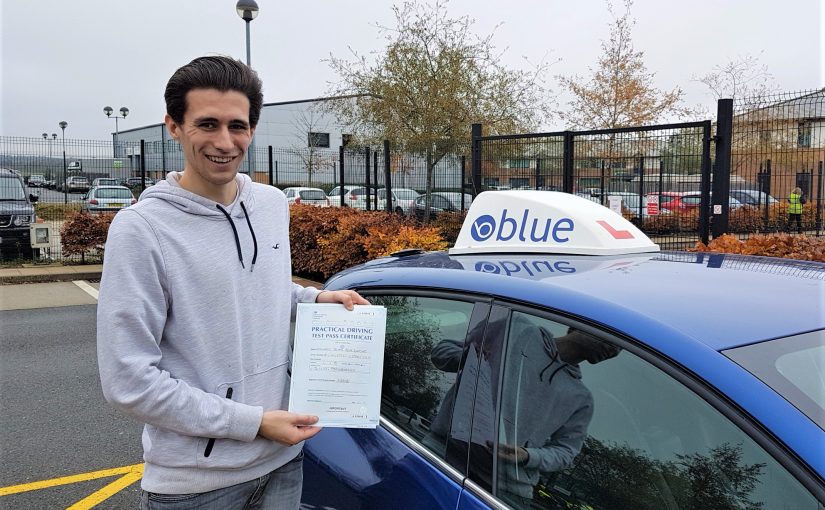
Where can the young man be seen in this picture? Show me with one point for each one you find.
(194, 310)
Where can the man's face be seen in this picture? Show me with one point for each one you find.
(214, 136)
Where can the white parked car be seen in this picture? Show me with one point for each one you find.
(356, 196)
(404, 200)
(306, 196)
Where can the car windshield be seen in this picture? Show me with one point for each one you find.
(11, 189)
(113, 193)
(313, 194)
(78, 179)
(793, 366)
(107, 182)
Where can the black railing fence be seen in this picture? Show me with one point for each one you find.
(680, 183)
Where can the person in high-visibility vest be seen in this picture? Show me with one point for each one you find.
(795, 209)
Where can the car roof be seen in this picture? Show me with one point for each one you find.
(707, 299)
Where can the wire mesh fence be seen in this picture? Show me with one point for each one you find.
(657, 176)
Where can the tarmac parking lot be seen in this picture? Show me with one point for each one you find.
(62, 445)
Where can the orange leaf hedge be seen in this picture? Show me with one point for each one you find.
(327, 240)
(776, 245)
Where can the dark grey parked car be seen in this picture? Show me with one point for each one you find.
(441, 201)
(16, 214)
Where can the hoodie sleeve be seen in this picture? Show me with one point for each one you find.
(131, 315)
(564, 445)
(303, 295)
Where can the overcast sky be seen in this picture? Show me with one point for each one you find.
(66, 60)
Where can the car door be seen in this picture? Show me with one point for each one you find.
(586, 419)
(409, 461)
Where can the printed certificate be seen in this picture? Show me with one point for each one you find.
(337, 364)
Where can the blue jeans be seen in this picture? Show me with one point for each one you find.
(278, 490)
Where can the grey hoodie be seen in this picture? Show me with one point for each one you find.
(181, 319)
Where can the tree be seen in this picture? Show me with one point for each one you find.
(620, 91)
(741, 78)
(432, 81)
(305, 146)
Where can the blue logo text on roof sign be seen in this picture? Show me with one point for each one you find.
(485, 227)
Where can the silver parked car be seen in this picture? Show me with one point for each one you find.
(306, 196)
(107, 199)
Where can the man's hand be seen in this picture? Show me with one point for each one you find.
(288, 428)
(510, 453)
(348, 298)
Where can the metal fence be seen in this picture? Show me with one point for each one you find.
(636, 166)
(778, 144)
(671, 180)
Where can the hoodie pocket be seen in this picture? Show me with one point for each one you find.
(268, 389)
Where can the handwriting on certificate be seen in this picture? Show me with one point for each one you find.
(338, 364)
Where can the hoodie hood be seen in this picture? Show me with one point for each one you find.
(170, 191)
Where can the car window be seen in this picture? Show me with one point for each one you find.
(691, 200)
(289, 192)
(619, 433)
(440, 202)
(11, 189)
(424, 343)
(405, 194)
(335, 191)
(311, 194)
(113, 193)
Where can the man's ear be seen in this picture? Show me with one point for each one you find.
(171, 126)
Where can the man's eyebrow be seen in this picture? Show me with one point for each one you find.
(214, 119)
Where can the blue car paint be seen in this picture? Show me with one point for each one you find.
(699, 314)
(380, 472)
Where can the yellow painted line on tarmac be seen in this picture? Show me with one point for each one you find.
(113, 488)
(65, 480)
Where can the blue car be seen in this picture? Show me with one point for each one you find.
(548, 362)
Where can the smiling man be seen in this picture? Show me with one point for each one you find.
(198, 347)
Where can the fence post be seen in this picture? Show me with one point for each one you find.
(341, 175)
(143, 165)
(387, 181)
(819, 198)
(475, 158)
(269, 163)
(704, 223)
(367, 179)
(567, 163)
(640, 211)
(721, 167)
(463, 176)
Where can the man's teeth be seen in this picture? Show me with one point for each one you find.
(216, 159)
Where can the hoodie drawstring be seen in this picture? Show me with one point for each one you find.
(237, 239)
(254, 240)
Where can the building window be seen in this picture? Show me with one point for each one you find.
(803, 137)
(318, 140)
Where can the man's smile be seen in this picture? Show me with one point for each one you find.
(220, 159)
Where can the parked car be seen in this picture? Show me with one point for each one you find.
(356, 196)
(36, 181)
(441, 201)
(404, 200)
(107, 199)
(16, 214)
(136, 182)
(105, 181)
(687, 201)
(306, 196)
(543, 383)
(75, 166)
(77, 184)
(753, 197)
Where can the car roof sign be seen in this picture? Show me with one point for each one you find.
(527, 221)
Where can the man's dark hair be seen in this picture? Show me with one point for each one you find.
(221, 73)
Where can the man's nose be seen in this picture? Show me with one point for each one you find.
(223, 139)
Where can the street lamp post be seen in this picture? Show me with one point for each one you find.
(248, 10)
(63, 125)
(49, 166)
(123, 113)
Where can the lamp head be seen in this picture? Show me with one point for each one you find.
(247, 9)
(124, 111)
(108, 111)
